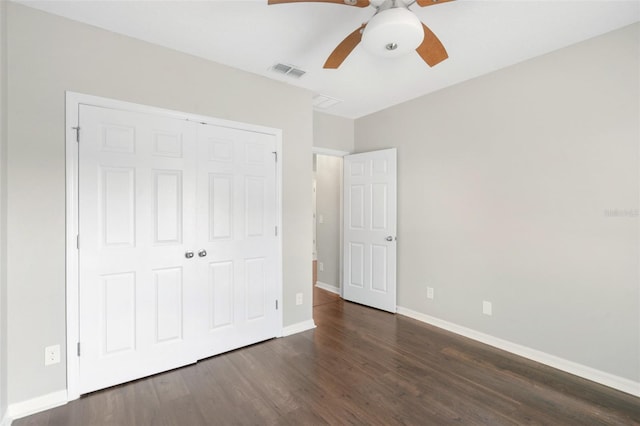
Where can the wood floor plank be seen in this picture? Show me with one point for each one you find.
(359, 366)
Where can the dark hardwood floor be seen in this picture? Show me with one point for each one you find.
(322, 297)
(359, 366)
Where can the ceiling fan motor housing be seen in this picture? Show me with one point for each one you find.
(393, 32)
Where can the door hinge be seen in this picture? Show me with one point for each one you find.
(77, 129)
(78, 241)
(276, 155)
(78, 348)
(276, 231)
(276, 304)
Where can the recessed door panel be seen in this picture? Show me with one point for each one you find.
(167, 208)
(221, 294)
(220, 150)
(220, 206)
(357, 168)
(118, 197)
(167, 144)
(379, 268)
(169, 299)
(255, 205)
(255, 153)
(356, 261)
(357, 207)
(379, 206)
(256, 282)
(118, 315)
(379, 167)
(115, 138)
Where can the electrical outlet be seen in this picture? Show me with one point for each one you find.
(52, 355)
(429, 292)
(320, 218)
(321, 266)
(486, 308)
(298, 298)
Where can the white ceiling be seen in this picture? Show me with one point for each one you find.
(480, 37)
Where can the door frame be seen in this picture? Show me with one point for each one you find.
(73, 100)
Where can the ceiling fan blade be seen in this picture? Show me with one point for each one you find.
(357, 3)
(343, 50)
(424, 3)
(431, 50)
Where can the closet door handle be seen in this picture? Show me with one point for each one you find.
(202, 253)
(188, 254)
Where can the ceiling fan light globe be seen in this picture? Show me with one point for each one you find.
(398, 27)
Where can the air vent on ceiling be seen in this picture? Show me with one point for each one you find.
(289, 70)
(324, 102)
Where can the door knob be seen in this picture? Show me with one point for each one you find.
(389, 238)
(202, 253)
(188, 254)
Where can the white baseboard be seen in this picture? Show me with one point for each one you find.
(607, 379)
(35, 405)
(328, 287)
(298, 328)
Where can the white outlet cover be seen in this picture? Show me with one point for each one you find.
(321, 266)
(298, 298)
(52, 355)
(429, 292)
(486, 308)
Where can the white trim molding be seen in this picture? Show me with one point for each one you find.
(329, 287)
(45, 402)
(298, 328)
(598, 376)
(327, 151)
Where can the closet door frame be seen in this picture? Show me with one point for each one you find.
(73, 100)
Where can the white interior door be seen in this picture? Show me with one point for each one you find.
(370, 229)
(136, 189)
(237, 230)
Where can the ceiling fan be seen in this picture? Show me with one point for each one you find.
(392, 31)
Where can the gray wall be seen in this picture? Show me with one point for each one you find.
(48, 55)
(3, 216)
(332, 132)
(506, 186)
(328, 235)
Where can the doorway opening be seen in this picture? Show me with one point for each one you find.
(327, 224)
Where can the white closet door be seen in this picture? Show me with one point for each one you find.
(237, 229)
(370, 229)
(137, 289)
